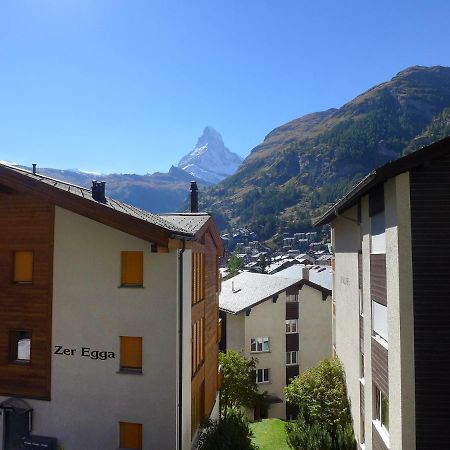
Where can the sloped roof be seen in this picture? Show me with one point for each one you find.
(192, 222)
(322, 276)
(382, 174)
(250, 289)
(80, 200)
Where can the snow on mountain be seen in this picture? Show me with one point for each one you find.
(210, 160)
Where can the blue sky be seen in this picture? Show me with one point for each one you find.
(128, 85)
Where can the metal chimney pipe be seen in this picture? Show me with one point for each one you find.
(34, 168)
(194, 197)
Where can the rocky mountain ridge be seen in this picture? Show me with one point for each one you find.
(160, 192)
(210, 160)
(303, 166)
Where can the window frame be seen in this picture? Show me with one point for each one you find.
(289, 355)
(380, 409)
(259, 341)
(291, 298)
(129, 368)
(14, 339)
(289, 323)
(122, 444)
(14, 277)
(264, 373)
(123, 278)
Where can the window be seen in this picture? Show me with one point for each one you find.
(198, 344)
(292, 298)
(291, 358)
(259, 344)
(198, 277)
(291, 325)
(262, 375)
(130, 435)
(378, 237)
(131, 353)
(379, 321)
(20, 346)
(382, 409)
(362, 431)
(23, 267)
(132, 269)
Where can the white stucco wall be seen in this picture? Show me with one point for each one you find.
(347, 243)
(315, 328)
(400, 314)
(89, 398)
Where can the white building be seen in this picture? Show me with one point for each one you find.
(391, 326)
(284, 323)
(99, 302)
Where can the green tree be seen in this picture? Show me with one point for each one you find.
(321, 398)
(235, 265)
(238, 384)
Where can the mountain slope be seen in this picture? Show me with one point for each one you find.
(210, 160)
(157, 192)
(303, 166)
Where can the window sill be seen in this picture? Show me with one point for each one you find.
(291, 332)
(130, 371)
(22, 283)
(381, 341)
(362, 381)
(263, 382)
(132, 286)
(292, 364)
(381, 431)
(262, 351)
(19, 362)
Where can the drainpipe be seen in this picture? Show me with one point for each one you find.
(180, 347)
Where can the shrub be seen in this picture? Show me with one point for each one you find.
(231, 433)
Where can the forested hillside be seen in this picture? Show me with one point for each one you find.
(305, 165)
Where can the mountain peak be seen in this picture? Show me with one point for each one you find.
(210, 160)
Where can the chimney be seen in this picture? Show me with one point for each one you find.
(194, 197)
(98, 191)
(34, 168)
(305, 273)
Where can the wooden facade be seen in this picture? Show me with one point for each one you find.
(26, 224)
(205, 307)
(430, 228)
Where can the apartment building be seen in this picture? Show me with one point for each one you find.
(284, 323)
(391, 314)
(105, 310)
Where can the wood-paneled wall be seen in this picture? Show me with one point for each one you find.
(26, 224)
(380, 367)
(206, 378)
(378, 278)
(430, 233)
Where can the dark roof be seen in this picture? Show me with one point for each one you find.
(77, 195)
(383, 173)
(192, 222)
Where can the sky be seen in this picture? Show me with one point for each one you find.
(128, 85)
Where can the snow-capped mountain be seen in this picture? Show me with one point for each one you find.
(210, 160)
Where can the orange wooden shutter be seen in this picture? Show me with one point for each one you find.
(131, 435)
(131, 352)
(23, 267)
(132, 268)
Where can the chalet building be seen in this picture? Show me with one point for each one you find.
(108, 319)
(284, 323)
(391, 322)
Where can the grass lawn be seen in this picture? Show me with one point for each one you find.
(269, 434)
